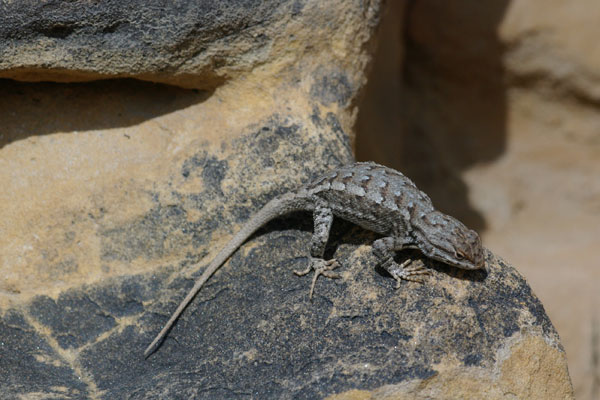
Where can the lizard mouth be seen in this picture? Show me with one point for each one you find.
(471, 261)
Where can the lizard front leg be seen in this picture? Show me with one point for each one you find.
(323, 218)
(384, 249)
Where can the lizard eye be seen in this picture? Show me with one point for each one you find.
(460, 255)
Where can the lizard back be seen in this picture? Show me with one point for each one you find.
(371, 195)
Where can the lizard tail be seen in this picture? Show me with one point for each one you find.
(273, 209)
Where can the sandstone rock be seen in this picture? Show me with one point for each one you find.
(80, 160)
(115, 192)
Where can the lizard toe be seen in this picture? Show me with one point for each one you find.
(321, 267)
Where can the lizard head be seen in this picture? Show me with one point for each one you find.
(444, 238)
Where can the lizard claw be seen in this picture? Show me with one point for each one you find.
(321, 267)
(407, 272)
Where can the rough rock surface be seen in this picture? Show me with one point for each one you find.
(187, 43)
(500, 123)
(253, 332)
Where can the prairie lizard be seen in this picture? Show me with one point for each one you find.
(376, 198)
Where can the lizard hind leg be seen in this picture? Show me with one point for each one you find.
(323, 218)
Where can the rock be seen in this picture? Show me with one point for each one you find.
(254, 332)
(188, 43)
(126, 190)
(78, 162)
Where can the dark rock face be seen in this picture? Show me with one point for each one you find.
(147, 39)
(29, 364)
(138, 20)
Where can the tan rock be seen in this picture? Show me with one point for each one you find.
(80, 160)
(527, 369)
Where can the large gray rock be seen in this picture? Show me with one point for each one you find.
(196, 44)
(185, 41)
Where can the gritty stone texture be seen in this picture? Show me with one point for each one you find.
(29, 364)
(187, 43)
(129, 192)
(134, 38)
(356, 334)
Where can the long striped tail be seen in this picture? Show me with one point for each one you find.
(273, 209)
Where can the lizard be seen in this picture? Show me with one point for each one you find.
(377, 198)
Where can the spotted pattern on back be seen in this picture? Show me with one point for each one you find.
(380, 198)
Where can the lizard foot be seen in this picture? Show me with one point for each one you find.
(321, 267)
(407, 272)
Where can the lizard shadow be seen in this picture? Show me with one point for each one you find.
(347, 233)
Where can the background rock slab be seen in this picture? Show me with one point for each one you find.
(188, 43)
